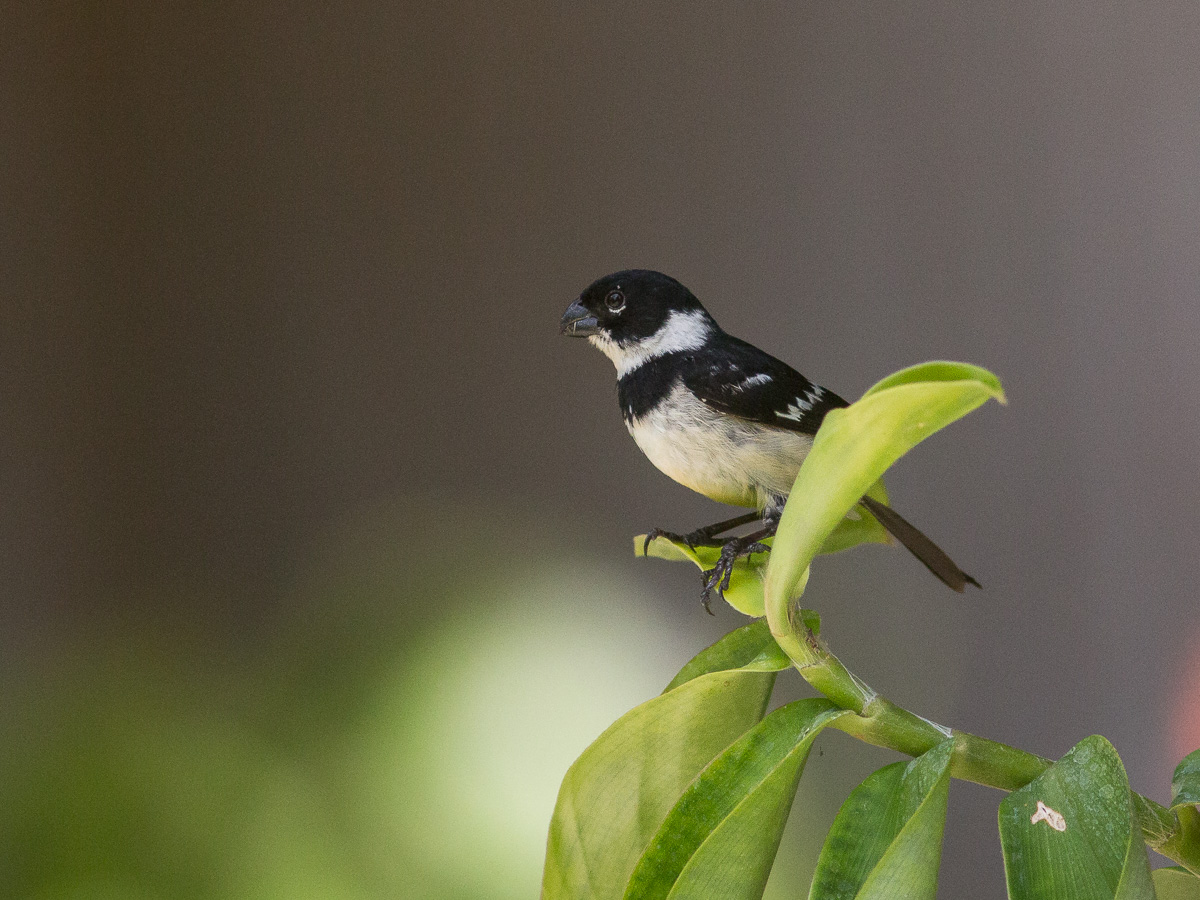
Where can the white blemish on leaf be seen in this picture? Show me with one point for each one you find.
(1051, 817)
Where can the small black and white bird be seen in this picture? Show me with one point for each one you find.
(716, 413)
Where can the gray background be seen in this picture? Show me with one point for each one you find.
(268, 269)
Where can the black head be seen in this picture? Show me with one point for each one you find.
(631, 309)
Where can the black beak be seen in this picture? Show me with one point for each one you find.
(578, 322)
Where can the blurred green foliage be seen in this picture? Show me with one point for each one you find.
(357, 750)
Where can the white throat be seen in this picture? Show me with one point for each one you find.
(681, 331)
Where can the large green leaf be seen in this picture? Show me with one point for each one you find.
(721, 837)
(853, 449)
(886, 841)
(1185, 783)
(1071, 832)
(616, 795)
(1175, 883)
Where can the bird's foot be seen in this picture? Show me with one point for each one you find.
(717, 578)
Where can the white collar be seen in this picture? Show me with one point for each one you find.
(682, 331)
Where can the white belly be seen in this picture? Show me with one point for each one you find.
(730, 460)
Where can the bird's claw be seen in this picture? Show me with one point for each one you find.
(701, 537)
(660, 533)
(717, 578)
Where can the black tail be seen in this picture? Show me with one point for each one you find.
(929, 553)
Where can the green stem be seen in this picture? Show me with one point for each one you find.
(1173, 833)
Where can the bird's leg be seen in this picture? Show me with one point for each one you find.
(702, 537)
(717, 578)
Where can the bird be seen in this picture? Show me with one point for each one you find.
(717, 415)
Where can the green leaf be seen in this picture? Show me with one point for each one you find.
(721, 838)
(1185, 795)
(853, 449)
(857, 527)
(1072, 832)
(615, 796)
(745, 592)
(886, 841)
(1175, 883)
(750, 647)
(940, 370)
(1185, 783)
(1174, 832)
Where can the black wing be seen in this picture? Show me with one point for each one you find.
(740, 380)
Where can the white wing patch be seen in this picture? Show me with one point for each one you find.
(750, 382)
(802, 406)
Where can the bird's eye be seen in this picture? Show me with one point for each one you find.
(615, 301)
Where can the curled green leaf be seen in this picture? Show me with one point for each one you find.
(940, 370)
(853, 449)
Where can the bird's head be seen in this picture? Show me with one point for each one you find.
(636, 315)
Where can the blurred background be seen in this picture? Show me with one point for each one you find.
(315, 568)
